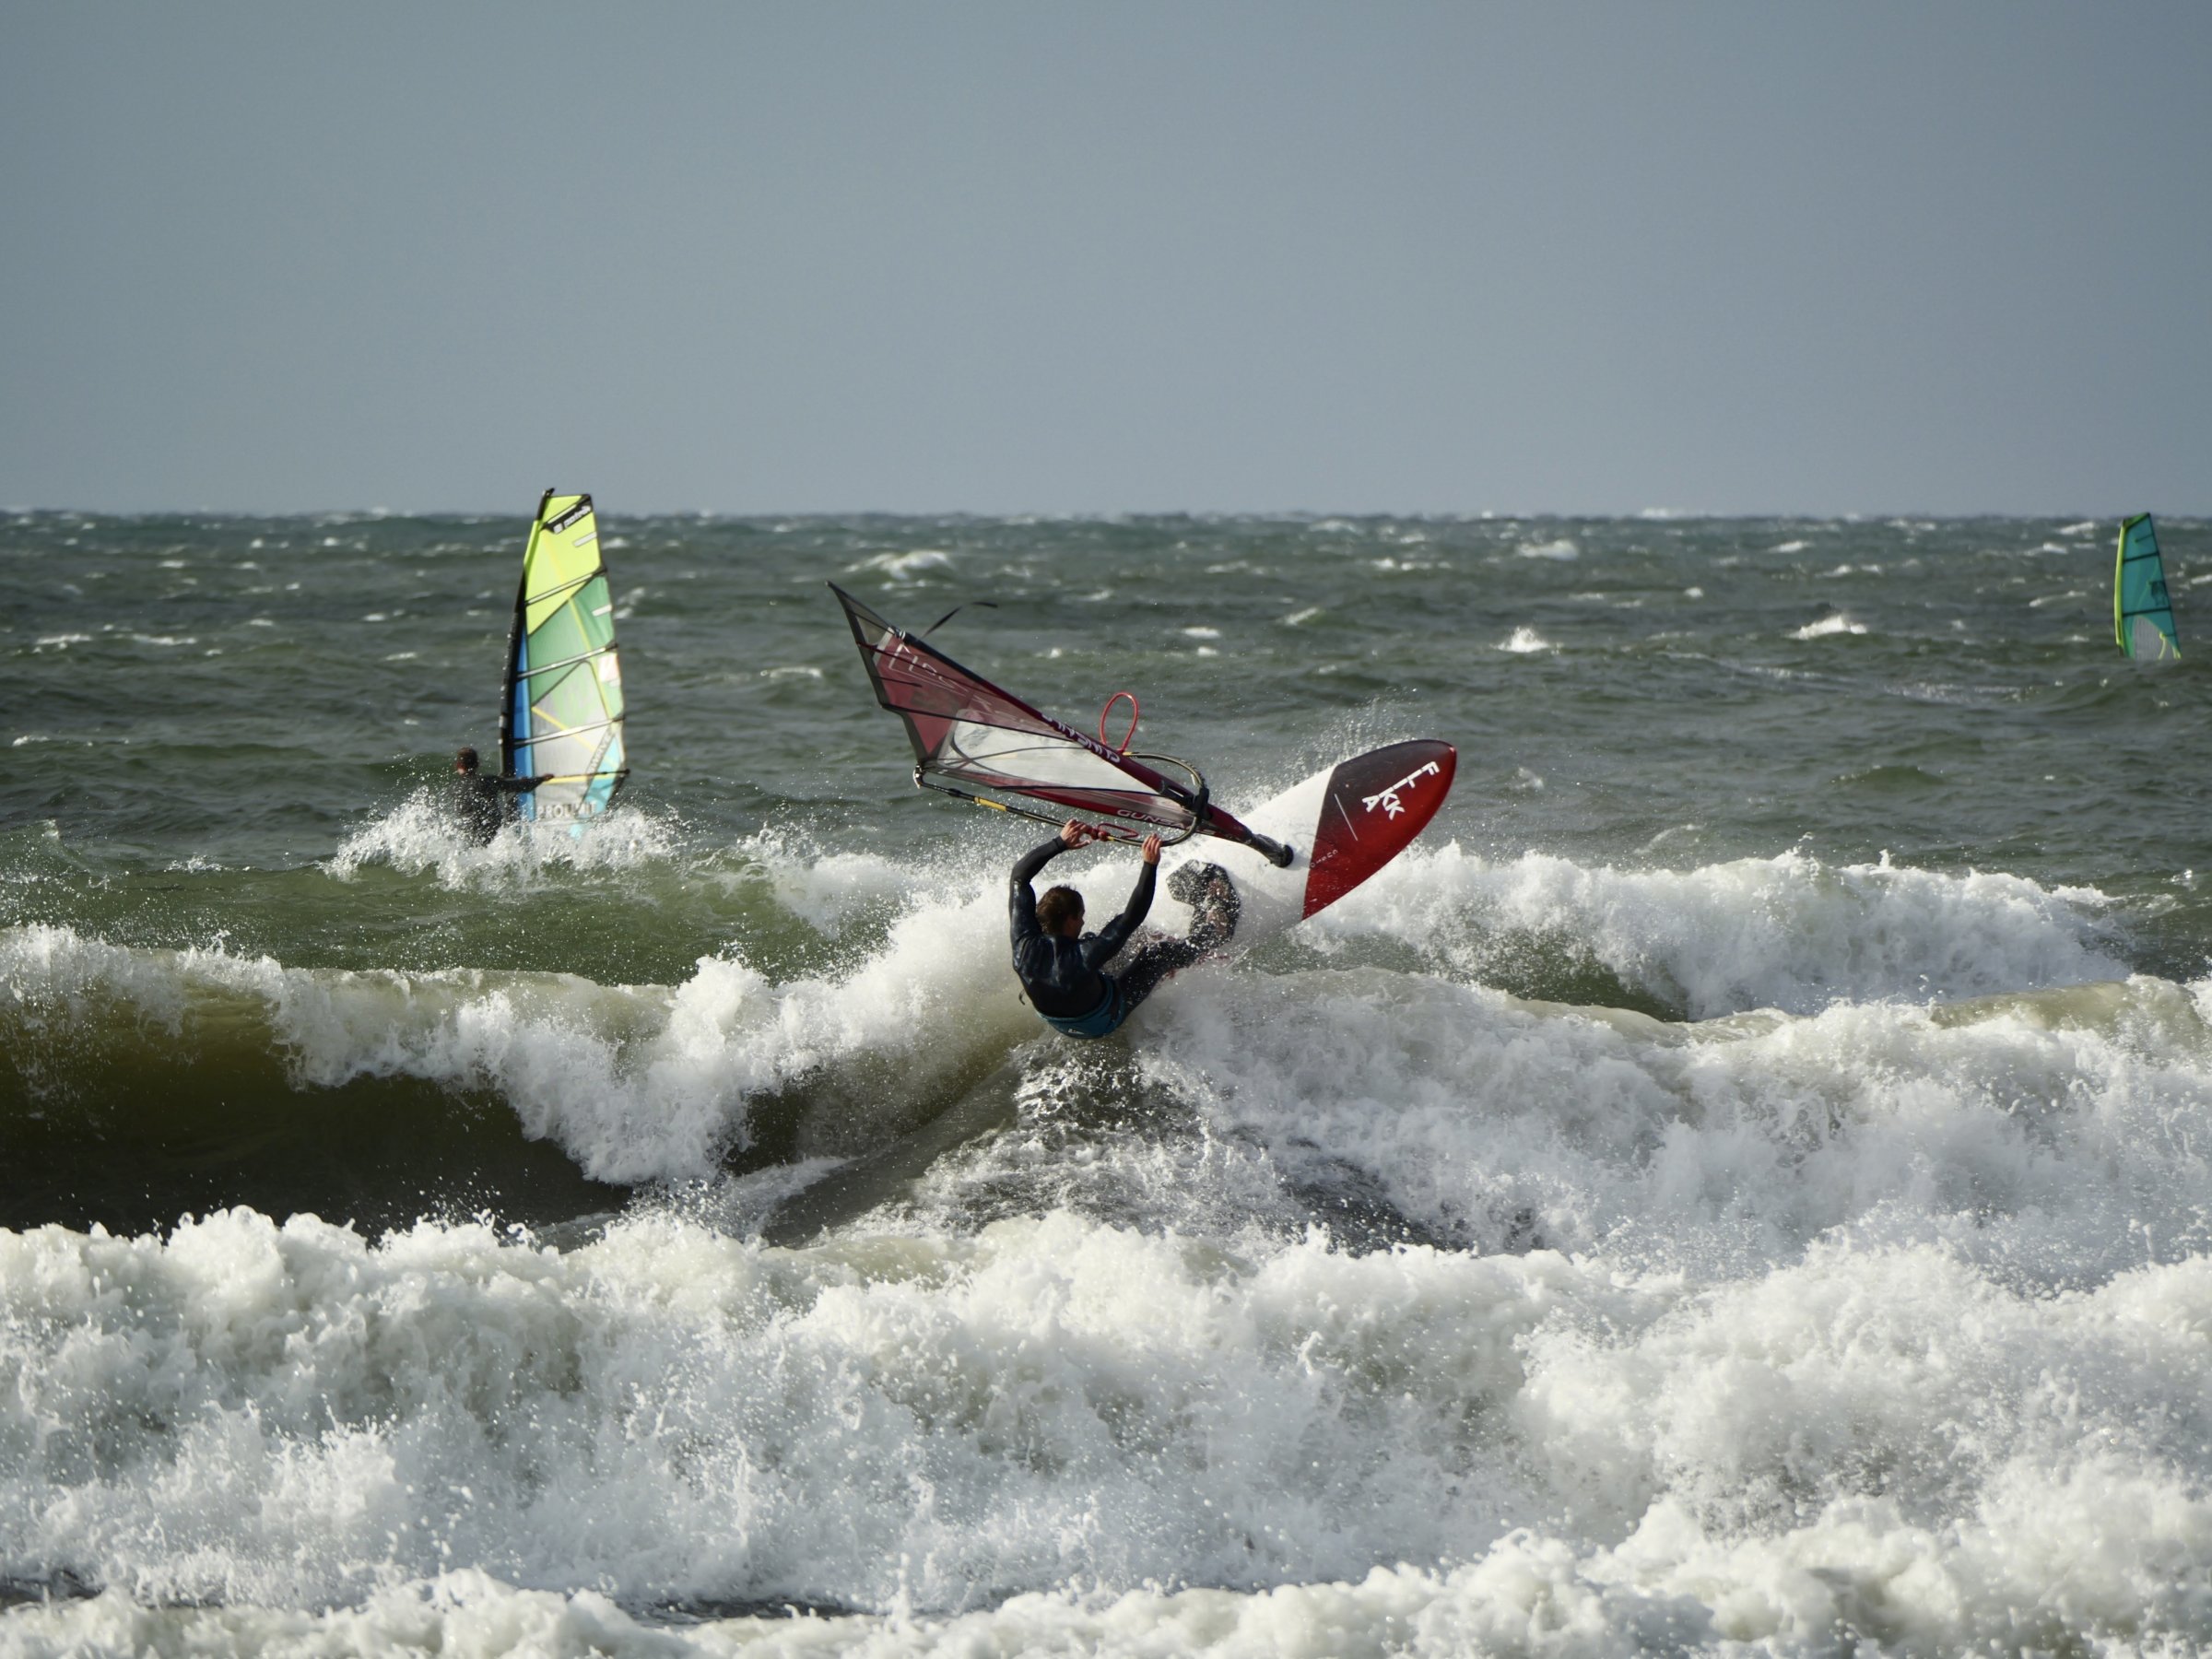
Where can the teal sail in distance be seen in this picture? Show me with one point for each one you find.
(2142, 614)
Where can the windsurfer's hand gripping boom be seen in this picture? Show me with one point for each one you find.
(1074, 832)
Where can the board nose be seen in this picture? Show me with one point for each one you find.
(1375, 805)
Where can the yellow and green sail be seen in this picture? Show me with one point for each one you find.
(561, 718)
(2142, 614)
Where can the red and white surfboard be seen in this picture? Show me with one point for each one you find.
(1342, 825)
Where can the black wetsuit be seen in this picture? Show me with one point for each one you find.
(484, 801)
(1065, 977)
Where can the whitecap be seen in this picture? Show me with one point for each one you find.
(1786, 932)
(903, 565)
(1836, 624)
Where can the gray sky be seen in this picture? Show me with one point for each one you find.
(1124, 256)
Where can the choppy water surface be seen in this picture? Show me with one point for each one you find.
(1742, 1178)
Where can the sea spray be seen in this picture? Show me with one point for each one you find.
(1736, 1184)
(1786, 932)
(672, 1410)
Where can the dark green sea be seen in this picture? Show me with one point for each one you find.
(1745, 1176)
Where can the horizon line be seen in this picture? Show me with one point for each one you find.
(1644, 514)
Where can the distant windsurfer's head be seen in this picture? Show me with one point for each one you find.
(464, 760)
(1061, 911)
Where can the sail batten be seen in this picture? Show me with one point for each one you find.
(561, 717)
(2142, 609)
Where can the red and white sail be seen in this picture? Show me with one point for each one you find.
(970, 734)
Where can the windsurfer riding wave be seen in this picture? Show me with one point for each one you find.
(1062, 968)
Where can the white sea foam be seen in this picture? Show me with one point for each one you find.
(1787, 932)
(635, 1083)
(2050, 1138)
(1563, 548)
(1836, 624)
(419, 836)
(903, 565)
(1527, 641)
(1875, 1307)
(674, 1411)
(649, 1082)
(290, 1418)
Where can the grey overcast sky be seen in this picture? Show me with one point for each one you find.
(1946, 256)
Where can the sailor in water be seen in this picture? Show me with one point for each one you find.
(1061, 967)
(483, 802)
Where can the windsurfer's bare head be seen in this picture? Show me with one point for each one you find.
(1060, 911)
(464, 760)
